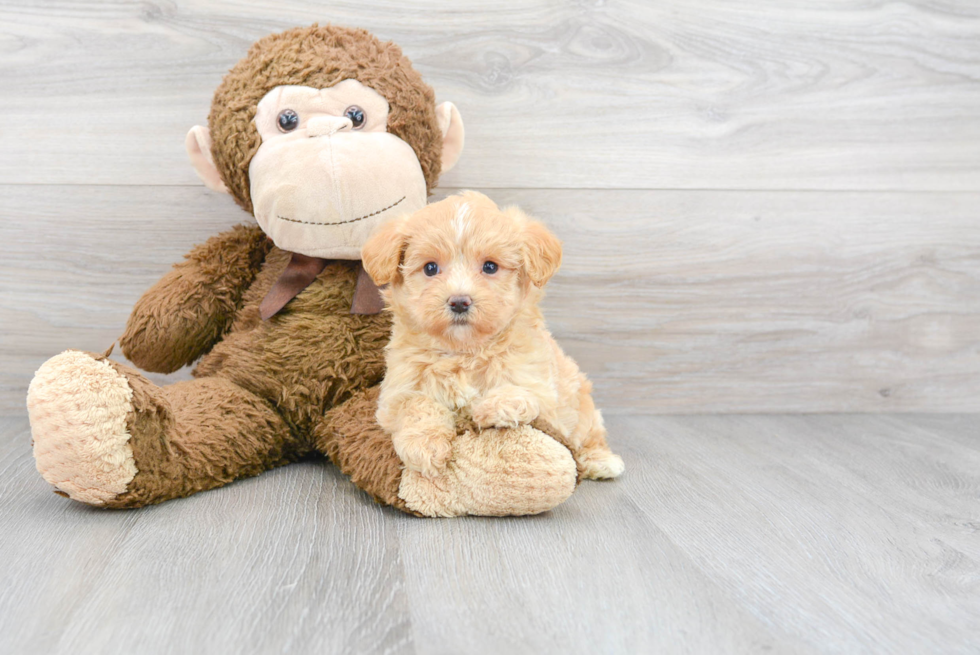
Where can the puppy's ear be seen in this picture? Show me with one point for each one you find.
(382, 253)
(542, 253)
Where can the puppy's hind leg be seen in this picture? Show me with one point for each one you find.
(594, 458)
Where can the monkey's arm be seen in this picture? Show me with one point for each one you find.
(184, 314)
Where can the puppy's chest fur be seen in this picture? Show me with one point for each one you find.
(453, 384)
(459, 380)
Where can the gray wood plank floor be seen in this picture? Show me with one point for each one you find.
(753, 533)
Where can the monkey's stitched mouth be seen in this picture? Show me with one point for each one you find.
(352, 220)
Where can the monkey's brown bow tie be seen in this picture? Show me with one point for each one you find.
(300, 273)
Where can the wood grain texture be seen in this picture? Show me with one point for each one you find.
(685, 94)
(671, 301)
(742, 302)
(800, 534)
(295, 561)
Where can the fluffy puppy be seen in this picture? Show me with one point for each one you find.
(468, 339)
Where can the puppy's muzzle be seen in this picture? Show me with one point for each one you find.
(460, 304)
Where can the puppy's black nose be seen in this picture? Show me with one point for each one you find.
(460, 304)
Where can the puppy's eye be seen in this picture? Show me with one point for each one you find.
(356, 116)
(490, 267)
(287, 120)
(430, 269)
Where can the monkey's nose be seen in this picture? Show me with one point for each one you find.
(327, 125)
(460, 304)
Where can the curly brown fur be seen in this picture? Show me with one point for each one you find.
(184, 314)
(352, 440)
(262, 391)
(296, 56)
(198, 435)
(309, 357)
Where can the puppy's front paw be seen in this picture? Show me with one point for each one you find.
(506, 408)
(425, 451)
(599, 464)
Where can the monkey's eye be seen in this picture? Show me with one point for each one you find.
(431, 269)
(490, 267)
(288, 120)
(356, 116)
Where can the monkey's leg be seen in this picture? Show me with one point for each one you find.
(105, 435)
(508, 472)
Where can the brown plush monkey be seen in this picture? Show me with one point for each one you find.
(320, 133)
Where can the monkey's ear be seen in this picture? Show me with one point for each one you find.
(542, 253)
(382, 253)
(451, 126)
(198, 144)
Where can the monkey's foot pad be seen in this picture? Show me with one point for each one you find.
(78, 407)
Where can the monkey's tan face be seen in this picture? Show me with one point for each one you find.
(328, 171)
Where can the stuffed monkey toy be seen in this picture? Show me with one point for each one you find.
(321, 134)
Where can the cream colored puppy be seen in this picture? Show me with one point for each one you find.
(468, 338)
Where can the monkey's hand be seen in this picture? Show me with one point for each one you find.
(506, 406)
(184, 314)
